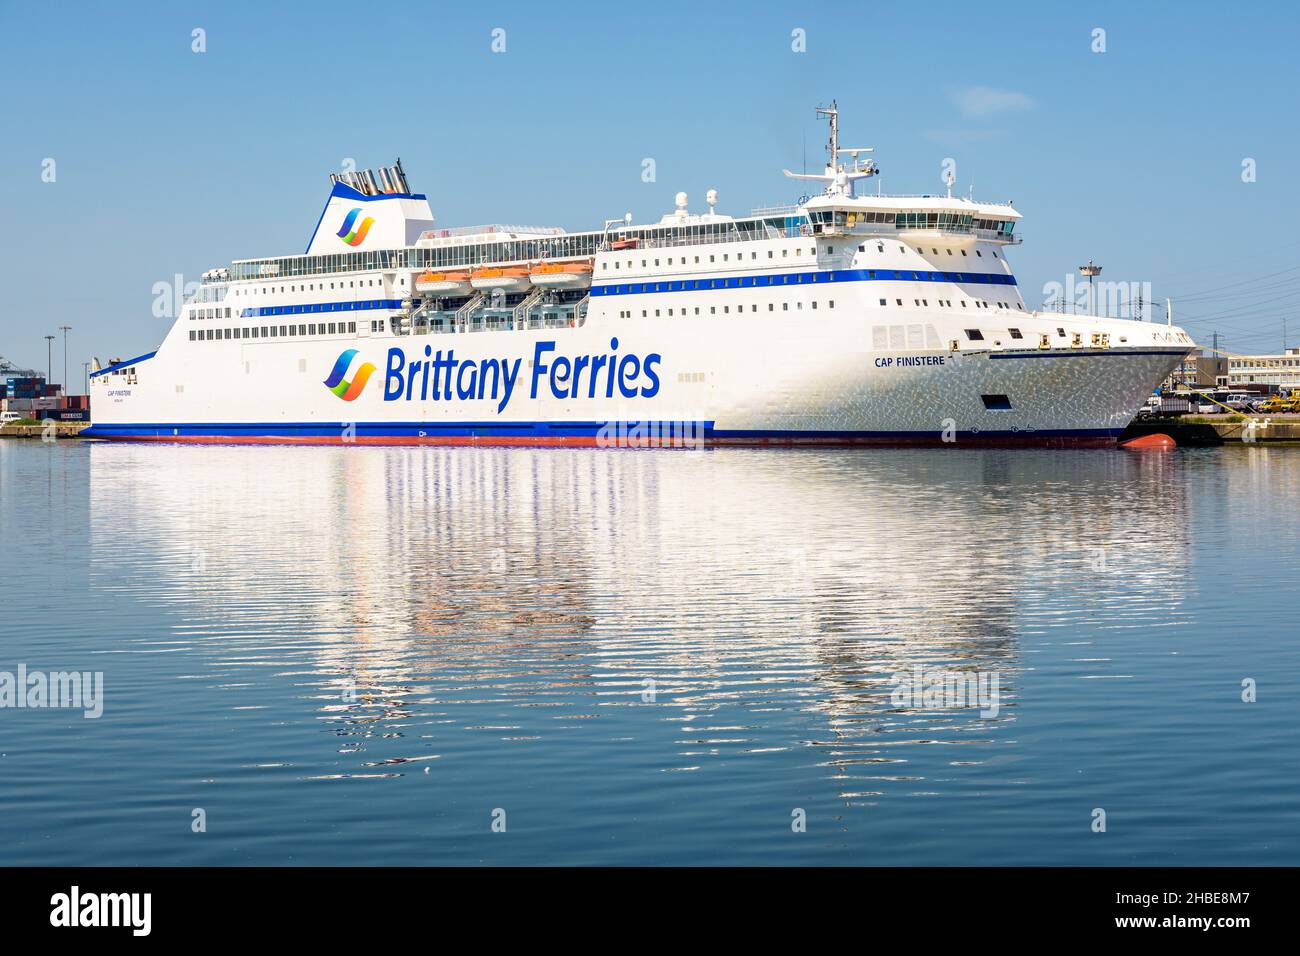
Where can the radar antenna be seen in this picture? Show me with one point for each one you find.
(839, 178)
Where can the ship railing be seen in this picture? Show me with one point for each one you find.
(980, 202)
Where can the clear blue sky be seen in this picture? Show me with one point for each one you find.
(173, 162)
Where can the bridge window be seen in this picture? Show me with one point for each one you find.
(975, 335)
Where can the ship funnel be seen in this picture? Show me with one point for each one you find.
(392, 217)
(399, 176)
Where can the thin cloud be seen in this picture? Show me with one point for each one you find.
(958, 137)
(986, 101)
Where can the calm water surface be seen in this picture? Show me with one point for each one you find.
(356, 656)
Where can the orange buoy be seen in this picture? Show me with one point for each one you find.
(1157, 442)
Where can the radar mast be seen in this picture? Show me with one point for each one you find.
(838, 177)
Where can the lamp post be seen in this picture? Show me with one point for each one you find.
(1091, 271)
(49, 358)
(65, 329)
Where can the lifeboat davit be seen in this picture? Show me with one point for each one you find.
(505, 278)
(562, 275)
(443, 283)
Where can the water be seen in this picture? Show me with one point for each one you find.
(357, 656)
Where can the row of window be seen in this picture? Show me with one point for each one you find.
(948, 221)
(975, 335)
(726, 309)
(947, 303)
(314, 287)
(272, 331)
(726, 257)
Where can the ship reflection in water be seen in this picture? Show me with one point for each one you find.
(652, 656)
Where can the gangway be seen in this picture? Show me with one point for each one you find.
(468, 309)
(519, 320)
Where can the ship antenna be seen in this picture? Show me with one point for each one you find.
(839, 179)
(833, 112)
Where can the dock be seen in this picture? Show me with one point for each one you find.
(56, 429)
(1192, 431)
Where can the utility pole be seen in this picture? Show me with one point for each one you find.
(49, 358)
(65, 329)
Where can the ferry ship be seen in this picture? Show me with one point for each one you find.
(846, 318)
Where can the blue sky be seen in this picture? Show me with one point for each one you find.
(171, 162)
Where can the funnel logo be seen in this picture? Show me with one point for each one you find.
(340, 386)
(354, 237)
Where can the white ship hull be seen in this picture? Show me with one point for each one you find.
(775, 383)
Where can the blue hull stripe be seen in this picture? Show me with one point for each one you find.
(539, 430)
(311, 308)
(127, 364)
(814, 278)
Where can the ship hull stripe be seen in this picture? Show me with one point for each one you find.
(781, 280)
(590, 434)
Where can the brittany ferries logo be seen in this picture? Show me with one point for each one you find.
(354, 237)
(340, 386)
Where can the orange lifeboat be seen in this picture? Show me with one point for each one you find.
(443, 283)
(563, 275)
(505, 278)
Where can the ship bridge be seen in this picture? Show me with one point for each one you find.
(839, 212)
(953, 219)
